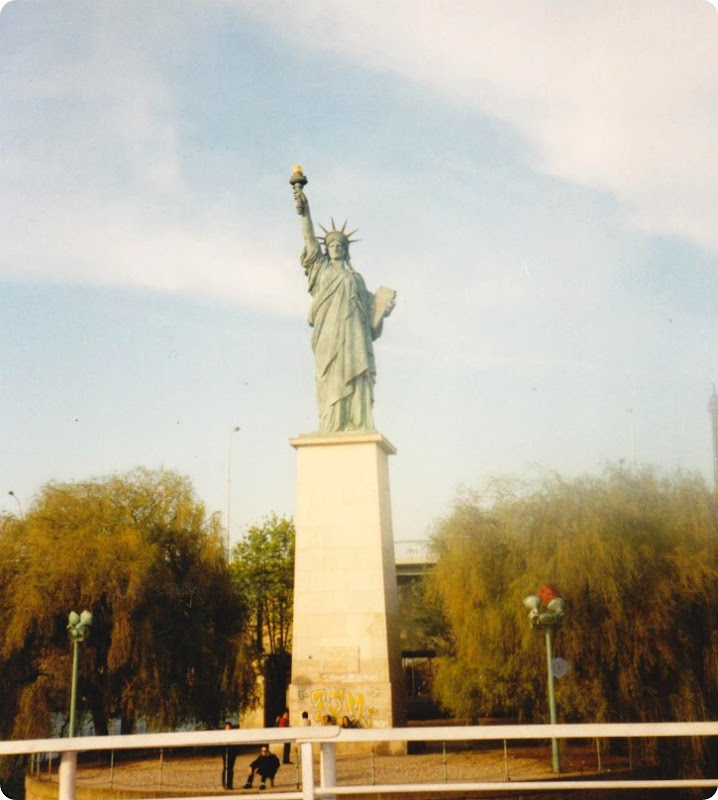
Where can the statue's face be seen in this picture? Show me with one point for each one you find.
(336, 250)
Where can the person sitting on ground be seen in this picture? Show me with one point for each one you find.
(266, 764)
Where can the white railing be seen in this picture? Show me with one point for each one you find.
(327, 738)
(413, 551)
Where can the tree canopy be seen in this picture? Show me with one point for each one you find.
(263, 571)
(635, 557)
(141, 553)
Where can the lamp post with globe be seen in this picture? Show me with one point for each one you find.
(546, 612)
(78, 626)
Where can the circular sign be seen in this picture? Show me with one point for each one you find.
(559, 667)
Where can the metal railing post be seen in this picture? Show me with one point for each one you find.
(328, 766)
(307, 770)
(68, 775)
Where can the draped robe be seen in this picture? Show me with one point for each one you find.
(345, 370)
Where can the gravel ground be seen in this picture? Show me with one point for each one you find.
(202, 774)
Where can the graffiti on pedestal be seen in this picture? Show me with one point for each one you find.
(339, 702)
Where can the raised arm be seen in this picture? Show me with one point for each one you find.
(299, 181)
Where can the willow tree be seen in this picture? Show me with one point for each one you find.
(141, 553)
(635, 557)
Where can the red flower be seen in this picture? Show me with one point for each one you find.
(547, 592)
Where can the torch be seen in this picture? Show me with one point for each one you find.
(298, 181)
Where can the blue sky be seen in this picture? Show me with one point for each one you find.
(536, 178)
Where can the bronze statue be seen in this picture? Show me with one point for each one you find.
(346, 318)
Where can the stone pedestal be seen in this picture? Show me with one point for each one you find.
(345, 646)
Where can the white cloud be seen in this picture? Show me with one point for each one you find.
(118, 243)
(92, 187)
(618, 96)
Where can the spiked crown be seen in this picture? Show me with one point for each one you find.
(338, 233)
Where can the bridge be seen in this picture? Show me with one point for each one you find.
(413, 559)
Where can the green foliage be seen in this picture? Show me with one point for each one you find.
(139, 551)
(423, 626)
(636, 558)
(263, 572)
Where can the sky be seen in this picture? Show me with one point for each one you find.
(537, 179)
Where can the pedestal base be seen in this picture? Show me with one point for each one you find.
(345, 648)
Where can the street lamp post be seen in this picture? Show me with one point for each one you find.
(229, 481)
(546, 611)
(78, 627)
(17, 500)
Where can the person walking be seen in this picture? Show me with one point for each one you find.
(229, 756)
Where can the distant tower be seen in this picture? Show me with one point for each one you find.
(713, 411)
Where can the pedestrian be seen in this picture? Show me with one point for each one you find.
(229, 756)
(306, 722)
(284, 723)
(266, 765)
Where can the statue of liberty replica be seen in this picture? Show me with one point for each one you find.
(346, 319)
(346, 657)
